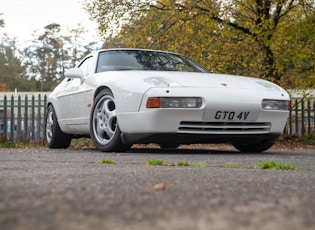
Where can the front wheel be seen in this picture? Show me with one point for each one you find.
(256, 147)
(56, 139)
(104, 128)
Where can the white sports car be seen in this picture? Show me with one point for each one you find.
(120, 97)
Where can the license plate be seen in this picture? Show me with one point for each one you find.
(224, 115)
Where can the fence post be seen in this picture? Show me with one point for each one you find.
(296, 118)
(303, 118)
(33, 119)
(44, 122)
(19, 121)
(308, 117)
(290, 119)
(38, 131)
(12, 119)
(26, 136)
(5, 119)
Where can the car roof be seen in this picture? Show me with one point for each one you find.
(151, 50)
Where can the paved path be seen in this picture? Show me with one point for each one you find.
(70, 189)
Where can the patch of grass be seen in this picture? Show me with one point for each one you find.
(12, 145)
(232, 166)
(287, 141)
(107, 161)
(182, 163)
(157, 162)
(82, 143)
(199, 165)
(179, 163)
(273, 165)
(308, 140)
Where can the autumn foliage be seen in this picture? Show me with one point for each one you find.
(270, 39)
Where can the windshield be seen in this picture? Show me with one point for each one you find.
(115, 60)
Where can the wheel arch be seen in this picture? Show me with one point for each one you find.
(49, 103)
(100, 89)
(57, 112)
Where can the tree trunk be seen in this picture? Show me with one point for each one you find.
(270, 72)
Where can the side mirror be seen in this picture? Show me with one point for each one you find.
(75, 73)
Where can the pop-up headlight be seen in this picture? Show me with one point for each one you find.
(160, 82)
(267, 85)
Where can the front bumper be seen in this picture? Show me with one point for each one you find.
(194, 122)
(212, 122)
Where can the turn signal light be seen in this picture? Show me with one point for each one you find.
(153, 102)
(174, 102)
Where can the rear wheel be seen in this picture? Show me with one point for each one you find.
(104, 128)
(55, 138)
(256, 147)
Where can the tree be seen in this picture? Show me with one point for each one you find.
(41, 66)
(296, 47)
(12, 71)
(1, 21)
(75, 44)
(52, 52)
(47, 53)
(243, 37)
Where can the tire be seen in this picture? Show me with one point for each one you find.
(104, 128)
(55, 138)
(257, 147)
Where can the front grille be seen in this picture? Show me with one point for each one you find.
(224, 127)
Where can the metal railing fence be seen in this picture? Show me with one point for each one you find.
(22, 118)
(301, 120)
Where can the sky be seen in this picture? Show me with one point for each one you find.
(23, 17)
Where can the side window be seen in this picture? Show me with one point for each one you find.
(86, 66)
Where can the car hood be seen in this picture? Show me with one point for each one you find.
(208, 80)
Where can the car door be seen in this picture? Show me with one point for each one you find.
(72, 99)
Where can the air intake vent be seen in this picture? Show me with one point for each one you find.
(224, 127)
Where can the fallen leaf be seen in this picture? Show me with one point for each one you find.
(160, 186)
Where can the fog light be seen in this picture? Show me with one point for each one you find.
(269, 104)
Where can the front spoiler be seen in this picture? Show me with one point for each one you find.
(176, 138)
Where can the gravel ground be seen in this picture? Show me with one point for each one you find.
(70, 189)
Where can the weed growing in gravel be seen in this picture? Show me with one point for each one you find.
(107, 161)
(199, 165)
(179, 163)
(157, 162)
(182, 163)
(273, 165)
(232, 166)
